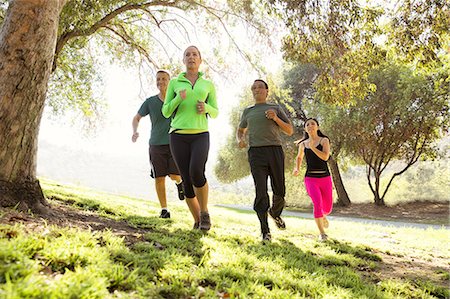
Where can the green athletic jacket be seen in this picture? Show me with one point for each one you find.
(184, 112)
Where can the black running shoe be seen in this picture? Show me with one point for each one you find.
(164, 214)
(266, 238)
(180, 191)
(278, 221)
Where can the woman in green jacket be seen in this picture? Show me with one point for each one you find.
(190, 100)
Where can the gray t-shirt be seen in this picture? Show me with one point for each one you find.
(261, 130)
(159, 134)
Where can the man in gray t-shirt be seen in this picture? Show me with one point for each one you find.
(264, 122)
(161, 161)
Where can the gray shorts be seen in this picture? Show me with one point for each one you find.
(161, 161)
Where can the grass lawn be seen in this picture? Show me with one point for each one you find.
(98, 245)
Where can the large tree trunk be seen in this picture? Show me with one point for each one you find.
(27, 46)
(343, 199)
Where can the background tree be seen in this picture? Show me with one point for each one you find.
(38, 38)
(346, 40)
(336, 37)
(400, 121)
(232, 163)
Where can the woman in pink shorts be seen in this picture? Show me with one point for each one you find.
(315, 146)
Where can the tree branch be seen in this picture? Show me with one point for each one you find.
(65, 37)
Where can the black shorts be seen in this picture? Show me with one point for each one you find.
(161, 161)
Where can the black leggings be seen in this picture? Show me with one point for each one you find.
(190, 152)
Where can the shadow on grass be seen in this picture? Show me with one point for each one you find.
(337, 267)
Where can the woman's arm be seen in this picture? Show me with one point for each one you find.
(324, 154)
(299, 158)
(171, 101)
(211, 107)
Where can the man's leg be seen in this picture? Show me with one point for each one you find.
(160, 185)
(277, 181)
(178, 183)
(157, 156)
(176, 178)
(260, 172)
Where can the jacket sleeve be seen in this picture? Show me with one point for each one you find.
(211, 104)
(171, 101)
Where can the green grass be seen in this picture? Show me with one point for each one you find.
(173, 261)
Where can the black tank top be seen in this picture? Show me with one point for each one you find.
(315, 167)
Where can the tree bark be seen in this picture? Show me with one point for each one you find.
(379, 201)
(27, 46)
(343, 199)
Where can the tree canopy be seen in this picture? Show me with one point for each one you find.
(347, 39)
(147, 35)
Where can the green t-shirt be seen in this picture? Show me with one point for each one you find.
(184, 112)
(261, 130)
(159, 133)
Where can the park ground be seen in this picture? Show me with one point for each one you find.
(386, 262)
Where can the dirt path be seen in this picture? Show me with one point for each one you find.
(385, 216)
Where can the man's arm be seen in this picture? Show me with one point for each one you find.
(286, 127)
(135, 125)
(240, 137)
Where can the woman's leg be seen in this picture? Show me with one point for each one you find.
(197, 164)
(199, 156)
(326, 187)
(313, 191)
(181, 153)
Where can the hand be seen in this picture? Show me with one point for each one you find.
(296, 172)
(201, 107)
(135, 136)
(183, 94)
(242, 143)
(271, 114)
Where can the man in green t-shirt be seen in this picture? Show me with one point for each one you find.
(263, 122)
(161, 161)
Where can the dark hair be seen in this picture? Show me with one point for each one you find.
(192, 46)
(265, 84)
(164, 72)
(306, 135)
